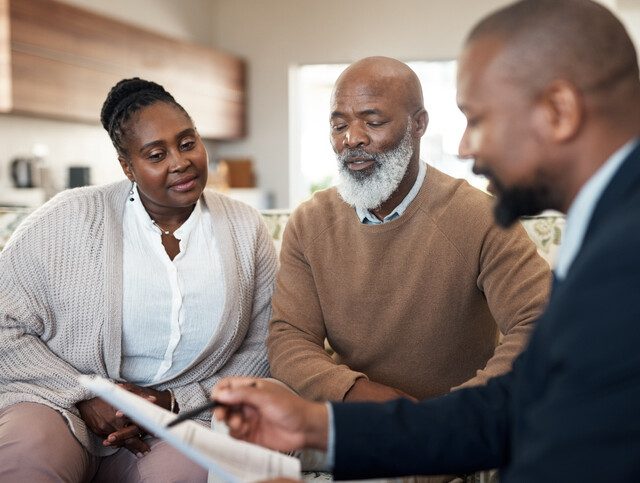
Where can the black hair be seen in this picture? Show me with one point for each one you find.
(126, 98)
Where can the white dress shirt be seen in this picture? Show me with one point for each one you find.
(171, 308)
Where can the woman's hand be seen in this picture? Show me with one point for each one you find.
(130, 436)
(100, 417)
(110, 423)
(160, 398)
(104, 420)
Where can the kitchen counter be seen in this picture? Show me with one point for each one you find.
(22, 197)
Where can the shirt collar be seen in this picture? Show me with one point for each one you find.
(581, 209)
(366, 217)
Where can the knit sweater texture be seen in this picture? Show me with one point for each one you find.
(415, 303)
(61, 303)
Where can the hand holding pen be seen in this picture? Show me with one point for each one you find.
(186, 415)
(268, 413)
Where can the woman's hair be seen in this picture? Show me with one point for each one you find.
(125, 99)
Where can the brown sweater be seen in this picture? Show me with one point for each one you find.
(414, 303)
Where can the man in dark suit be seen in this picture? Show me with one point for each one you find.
(551, 92)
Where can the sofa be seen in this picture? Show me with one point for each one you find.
(545, 230)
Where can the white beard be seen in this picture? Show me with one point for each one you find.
(369, 190)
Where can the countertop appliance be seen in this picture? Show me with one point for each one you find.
(23, 172)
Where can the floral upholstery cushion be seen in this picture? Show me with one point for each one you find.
(546, 231)
(276, 221)
(10, 218)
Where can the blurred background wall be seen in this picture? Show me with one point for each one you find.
(272, 36)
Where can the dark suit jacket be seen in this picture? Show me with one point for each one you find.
(570, 408)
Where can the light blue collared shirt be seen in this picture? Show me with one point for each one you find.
(368, 218)
(581, 210)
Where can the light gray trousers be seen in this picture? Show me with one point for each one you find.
(36, 445)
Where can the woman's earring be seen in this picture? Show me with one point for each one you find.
(131, 191)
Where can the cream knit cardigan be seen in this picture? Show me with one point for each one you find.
(61, 302)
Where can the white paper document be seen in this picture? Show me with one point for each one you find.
(226, 458)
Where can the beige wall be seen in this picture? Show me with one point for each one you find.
(629, 13)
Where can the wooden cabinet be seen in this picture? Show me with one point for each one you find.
(59, 61)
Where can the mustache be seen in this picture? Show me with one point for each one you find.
(481, 171)
(487, 173)
(348, 154)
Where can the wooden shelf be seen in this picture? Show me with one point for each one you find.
(59, 61)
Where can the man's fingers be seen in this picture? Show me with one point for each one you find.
(239, 391)
(235, 421)
(221, 413)
(235, 382)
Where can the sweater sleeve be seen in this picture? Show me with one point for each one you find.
(516, 282)
(251, 357)
(297, 332)
(26, 363)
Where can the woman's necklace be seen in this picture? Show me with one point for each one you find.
(163, 230)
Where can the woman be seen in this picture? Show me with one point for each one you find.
(153, 282)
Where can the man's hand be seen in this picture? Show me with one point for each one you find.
(270, 415)
(365, 390)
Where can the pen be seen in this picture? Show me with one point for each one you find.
(194, 412)
(205, 407)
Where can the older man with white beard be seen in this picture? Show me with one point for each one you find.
(400, 267)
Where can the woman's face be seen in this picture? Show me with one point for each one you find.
(165, 157)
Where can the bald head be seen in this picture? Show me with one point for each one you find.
(579, 41)
(380, 77)
(377, 120)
